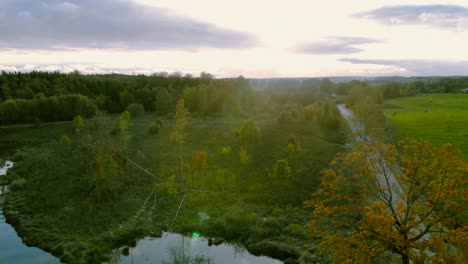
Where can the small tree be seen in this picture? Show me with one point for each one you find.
(178, 133)
(225, 151)
(136, 110)
(154, 129)
(77, 124)
(123, 129)
(65, 140)
(250, 132)
(169, 186)
(281, 170)
(244, 157)
(292, 145)
(200, 162)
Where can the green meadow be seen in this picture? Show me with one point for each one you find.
(439, 118)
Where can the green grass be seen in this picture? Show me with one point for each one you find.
(438, 118)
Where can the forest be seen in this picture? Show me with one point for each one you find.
(52, 96)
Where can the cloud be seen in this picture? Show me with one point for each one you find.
(418, 67)
(66, 68)
(334, 45)
(450, 17)
(8, 68)
(92, 68)
(107, 24)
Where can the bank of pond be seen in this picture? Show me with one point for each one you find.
(169, 248)
(12, 248)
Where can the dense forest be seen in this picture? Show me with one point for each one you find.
(52, 96)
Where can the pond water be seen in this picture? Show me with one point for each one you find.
(171, 245)
(3, 170)
(12, 249)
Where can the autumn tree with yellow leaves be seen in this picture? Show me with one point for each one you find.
(362, 209)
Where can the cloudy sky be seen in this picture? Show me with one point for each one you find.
(254, 38)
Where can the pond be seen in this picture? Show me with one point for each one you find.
(172, 247)
(12, 249)
(7, 165)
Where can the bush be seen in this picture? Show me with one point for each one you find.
(297, 229)
(136, 110)
(281, 170)
(244, 156)
(18, 184)
(273, 249)
(226, 150)
(160, 123)
(277, 212)
(291, 261)
(65, 140)
(249, 133)
(154, 129)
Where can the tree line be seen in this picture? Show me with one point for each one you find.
(54, 96)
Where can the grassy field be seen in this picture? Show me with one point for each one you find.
(439, 118)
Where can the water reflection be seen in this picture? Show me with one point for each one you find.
(3, 170)
(175, 248)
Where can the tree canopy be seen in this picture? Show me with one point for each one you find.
(363, 210)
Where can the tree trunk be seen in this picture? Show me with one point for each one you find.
(181, 165)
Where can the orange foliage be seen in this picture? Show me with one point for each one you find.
(361, 209)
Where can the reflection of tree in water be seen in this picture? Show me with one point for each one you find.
(180, 256)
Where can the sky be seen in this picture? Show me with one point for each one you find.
(253, 38)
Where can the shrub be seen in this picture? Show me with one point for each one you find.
(244, 156)
(277, 211)
(18, 184)
(226, 150)
(160, 123)
(296, 229)
(292, 145)
(64, 140)
(77, 123)
(154, 129)
(273, 249)
(249, 133)
(281, 169)
(200, 160)
(136, 110)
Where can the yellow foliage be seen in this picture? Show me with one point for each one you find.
(244, 156)
(169, 187)
(182, 114)
(291, 147)
(362, 211)
(200, 160)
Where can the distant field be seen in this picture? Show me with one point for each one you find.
(439, 118)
